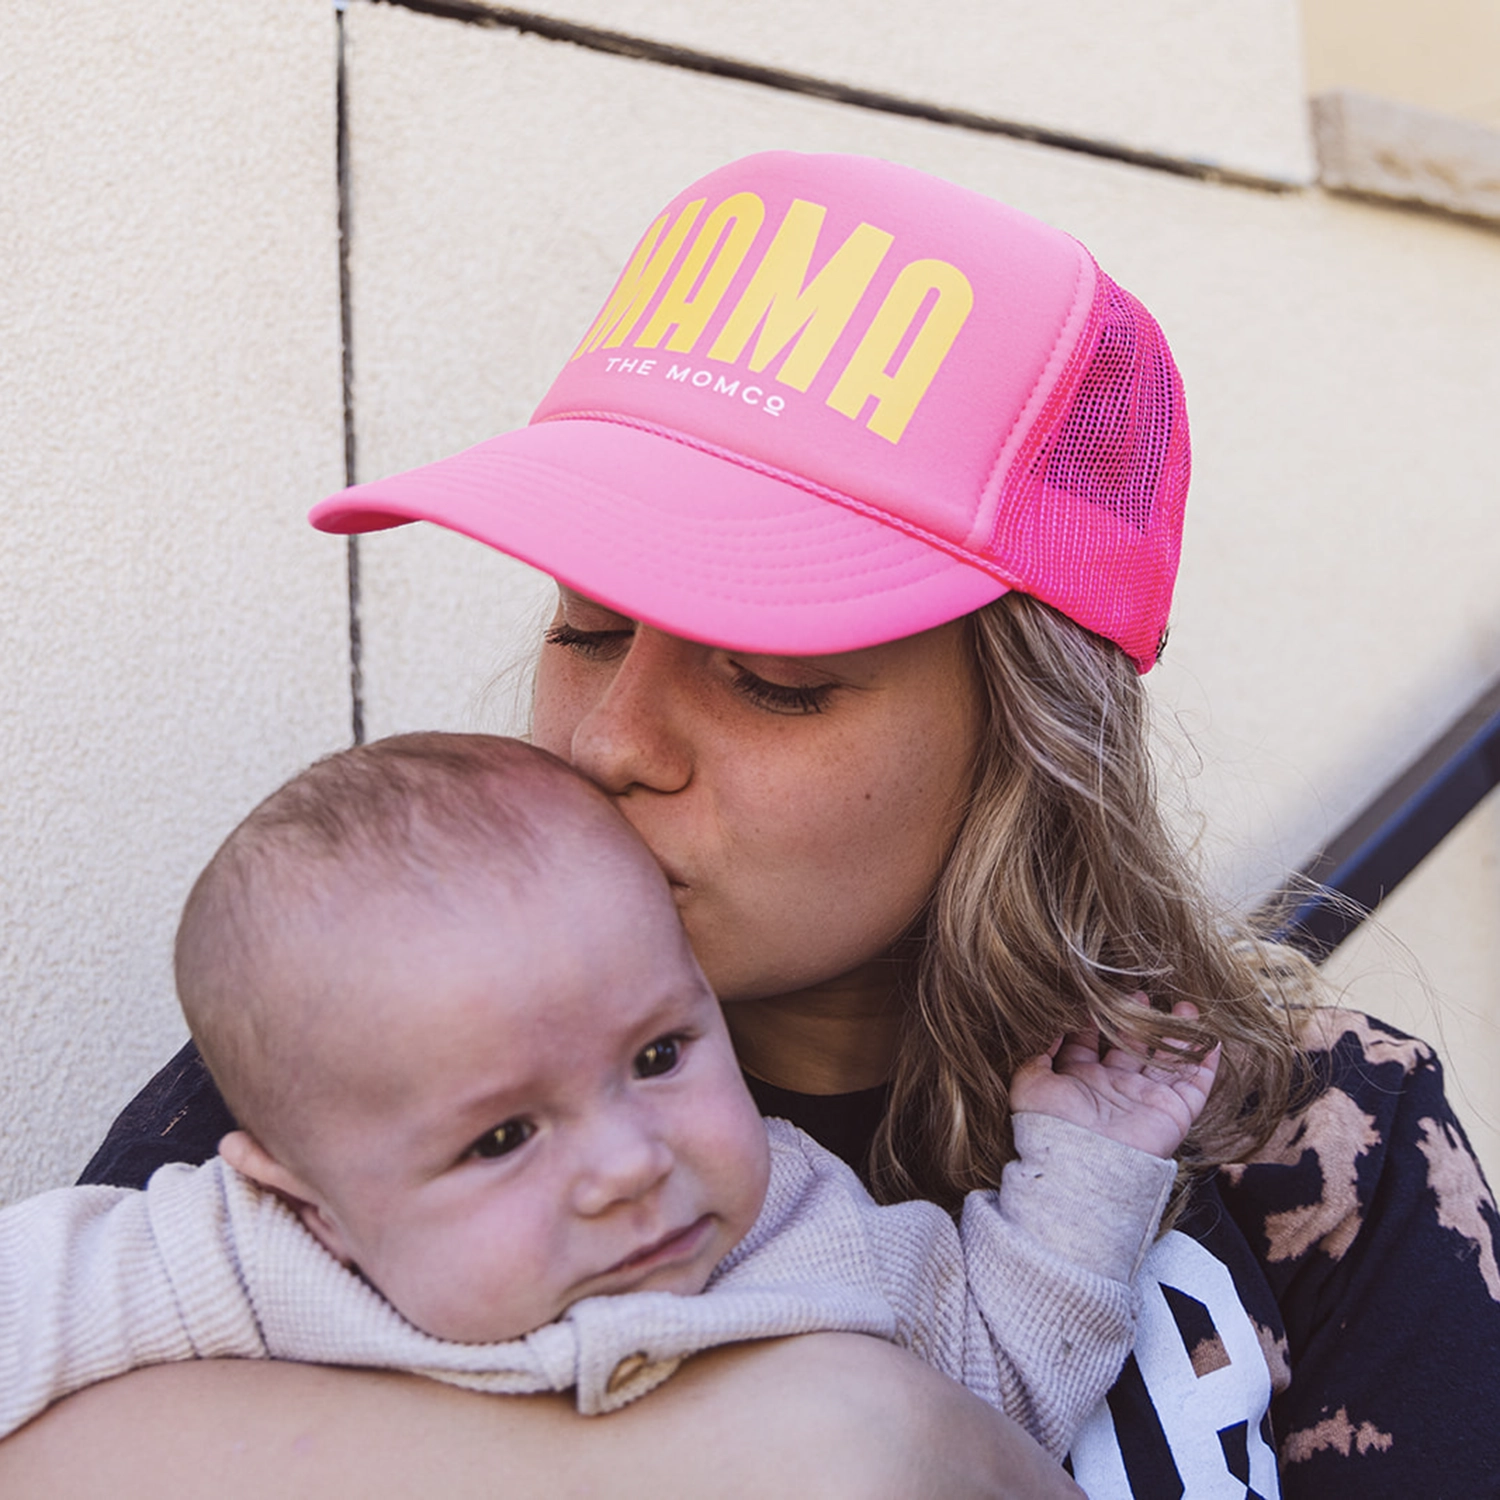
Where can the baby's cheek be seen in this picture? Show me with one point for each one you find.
(479, 1276)
(747, 1159)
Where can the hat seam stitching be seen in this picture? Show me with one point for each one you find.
(955, 550)
(996, 480)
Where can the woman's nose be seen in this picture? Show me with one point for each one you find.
(635, 733)
(624, 1162)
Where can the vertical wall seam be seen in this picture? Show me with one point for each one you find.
(356, 644)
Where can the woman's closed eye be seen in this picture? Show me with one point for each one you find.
(780, 697)
(611, 644)
(658, 1058)
(593, 645)
(502, 1139)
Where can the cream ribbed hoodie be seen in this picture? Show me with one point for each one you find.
(1028, 1301)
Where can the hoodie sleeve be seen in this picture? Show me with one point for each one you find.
(86, 1292)
(1050, 1261)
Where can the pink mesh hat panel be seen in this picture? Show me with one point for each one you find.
(830, 402)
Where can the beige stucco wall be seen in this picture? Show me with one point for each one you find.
(1342, 360)
(172, 641)
(1437, 54)
(1429, 965)
(1215, 81)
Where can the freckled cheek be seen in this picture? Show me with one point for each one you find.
(877, 821)
(884, 844)
(558, 707)
(567, 690)
(858, 848)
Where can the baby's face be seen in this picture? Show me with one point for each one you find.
(538, 1101)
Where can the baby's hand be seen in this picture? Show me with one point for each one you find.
(1125, 1095)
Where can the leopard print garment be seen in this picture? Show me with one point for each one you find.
(1328, 1324)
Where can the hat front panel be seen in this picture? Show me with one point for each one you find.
(866, 328)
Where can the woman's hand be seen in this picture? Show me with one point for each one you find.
(1131, 1095)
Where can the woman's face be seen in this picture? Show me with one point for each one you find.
(802, 807)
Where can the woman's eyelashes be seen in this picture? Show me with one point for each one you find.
(779, 697)
(503, 1138)
(594, 645)
(774, 697)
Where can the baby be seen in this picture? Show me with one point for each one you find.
(493, 1131)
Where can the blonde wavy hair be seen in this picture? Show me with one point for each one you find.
(1064, 895)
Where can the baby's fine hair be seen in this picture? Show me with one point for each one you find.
(405, 801)
(415, 811)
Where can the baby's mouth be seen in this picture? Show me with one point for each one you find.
(679, 1245)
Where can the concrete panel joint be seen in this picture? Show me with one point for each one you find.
(1381, 149)
(1190, 163)
(346, 347)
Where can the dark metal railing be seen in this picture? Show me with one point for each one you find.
(1393, 833)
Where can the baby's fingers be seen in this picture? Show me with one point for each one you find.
(1193, 1082)
(1042, 1062)
(1077, 1049)
(1162, 1064)
(1131, 1054)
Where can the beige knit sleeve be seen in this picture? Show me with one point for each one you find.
(1050, 1262)
(85, 1293)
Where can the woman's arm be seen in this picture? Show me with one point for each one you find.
(826, 1414)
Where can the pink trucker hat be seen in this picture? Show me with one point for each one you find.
(830, 402)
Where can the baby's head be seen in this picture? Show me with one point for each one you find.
(443, 987)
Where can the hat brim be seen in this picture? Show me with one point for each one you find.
(680, 538)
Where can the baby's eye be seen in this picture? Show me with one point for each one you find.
(504, 1138)
(659, 1057)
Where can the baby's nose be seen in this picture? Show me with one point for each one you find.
(624, 1163)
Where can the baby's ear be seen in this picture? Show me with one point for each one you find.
(250, 1159)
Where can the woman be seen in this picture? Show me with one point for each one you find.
(864, 495)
